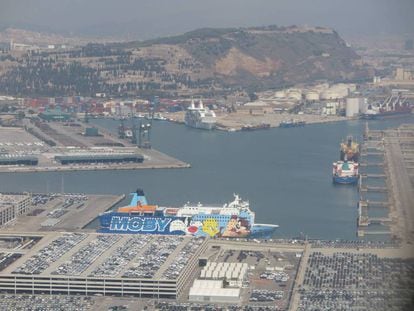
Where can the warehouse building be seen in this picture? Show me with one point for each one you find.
(7, 159)
(54, 115)
(213, 291)
(99, 158)
(219, 282)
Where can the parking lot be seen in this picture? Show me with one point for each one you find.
(356, 281)
(83, 258)
(17, 141)
(107, 255)
(154, 256)
(45, 303)
(57, 211)
(40, 261)
(271, 273)
(123, 255)
(181, 259)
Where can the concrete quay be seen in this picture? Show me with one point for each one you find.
(69, 140)
(62, 212)
(398, 147)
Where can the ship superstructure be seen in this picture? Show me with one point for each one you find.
(349, 150)
(234, 219)
(345, 172)
(200, 117)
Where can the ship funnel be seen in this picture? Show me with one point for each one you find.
(138, 198)
(201, 104)
(192, 106)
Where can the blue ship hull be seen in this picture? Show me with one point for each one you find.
(163, 221)
(114, 222)
(345, 180)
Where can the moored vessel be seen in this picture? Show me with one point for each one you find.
(345, 172)
(396, 104)
(292, 123)
(234, 219)
(250, 127)
(200, 117)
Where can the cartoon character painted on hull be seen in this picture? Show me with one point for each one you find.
(211, 227)
(237, 227)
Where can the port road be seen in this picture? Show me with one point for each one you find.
(402, 187)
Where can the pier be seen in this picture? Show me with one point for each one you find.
(365, 164)
(373, 175)
(372, 189)
(369, 204)
(396, 149)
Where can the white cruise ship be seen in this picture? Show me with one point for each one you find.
(200, 117)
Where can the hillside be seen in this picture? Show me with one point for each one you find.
(198, 61)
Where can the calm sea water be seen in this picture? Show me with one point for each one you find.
(284, 173)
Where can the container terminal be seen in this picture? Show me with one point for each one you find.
(72, 146)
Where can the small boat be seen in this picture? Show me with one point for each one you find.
(292, 123)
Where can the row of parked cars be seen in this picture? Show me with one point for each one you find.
(266, 295)
(83, 258)
(122, 256)
(154, 256)
(51, 253)
(356, 281)
(180, 261)
(45, 303)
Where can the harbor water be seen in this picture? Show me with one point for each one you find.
(284, 173)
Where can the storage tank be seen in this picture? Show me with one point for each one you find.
(294, 94)
(329, 94)
(363, 105)
(280, 94)
(352, 106)
(312, 96)
(352, 87)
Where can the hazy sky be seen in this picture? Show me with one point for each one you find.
(149, 18)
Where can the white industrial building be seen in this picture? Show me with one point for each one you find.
(12, 206)
(219, 282)
(213, 291)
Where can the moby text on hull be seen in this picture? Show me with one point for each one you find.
(234, 219)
